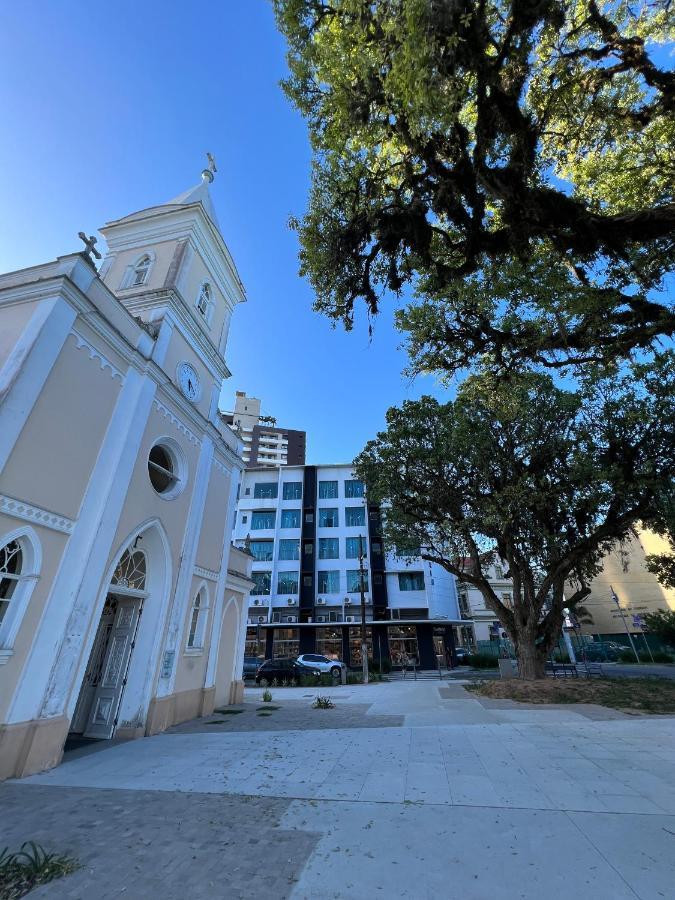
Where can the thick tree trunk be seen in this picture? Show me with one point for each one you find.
(531, 660)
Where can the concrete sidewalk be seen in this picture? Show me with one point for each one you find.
(460, 799)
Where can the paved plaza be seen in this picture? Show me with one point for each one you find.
(415, 790)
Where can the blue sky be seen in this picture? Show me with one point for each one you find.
(109, 108)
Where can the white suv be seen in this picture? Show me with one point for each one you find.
(322, 663)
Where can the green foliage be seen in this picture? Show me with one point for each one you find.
(482, 661)
(321, 702)
(549, 479)
(512, 161)
(267, 696)
(657, 656)
(662, 624)
(22, 871)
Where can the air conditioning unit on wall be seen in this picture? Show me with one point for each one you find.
(256, 602)
(290, 618)
(322, 618)
(262, 619)
(320, 601)
(350, 618)
(348, 602)
(292, 601)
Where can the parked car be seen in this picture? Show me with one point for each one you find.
(462, 654)
(322, 663)
(251, 666)
(283, 670)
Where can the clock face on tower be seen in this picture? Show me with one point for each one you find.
(188, 381)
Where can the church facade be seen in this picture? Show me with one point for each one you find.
(122, 602)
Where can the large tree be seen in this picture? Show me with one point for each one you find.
(462, 142)
(549, 479)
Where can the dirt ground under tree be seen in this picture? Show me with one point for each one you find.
(631, 695)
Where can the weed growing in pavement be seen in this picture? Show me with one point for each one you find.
(32, 865)
(267, 696)
(323, 703)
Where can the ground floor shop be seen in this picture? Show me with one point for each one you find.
(396, 643)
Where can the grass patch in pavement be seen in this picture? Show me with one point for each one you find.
(636, 695)
(22, 871)
(264, 712)
(228, 712)
(267, 706)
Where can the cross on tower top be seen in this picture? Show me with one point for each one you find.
(89, 247)
(209, 172)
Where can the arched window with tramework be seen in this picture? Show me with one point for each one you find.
(11, 559)
(198, 615)
(130, 571)
(140, 271)
(19, 565)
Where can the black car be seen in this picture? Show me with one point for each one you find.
(251, 665)
(462, 654)
(282, 670)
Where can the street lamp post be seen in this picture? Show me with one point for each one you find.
(364, 646)
(625, 624)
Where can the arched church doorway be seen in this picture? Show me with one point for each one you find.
(105, 677)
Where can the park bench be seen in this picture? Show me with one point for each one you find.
(561, 670)
(590, 669)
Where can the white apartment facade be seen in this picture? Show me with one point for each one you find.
(306, 527)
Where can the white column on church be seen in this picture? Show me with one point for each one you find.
(49, 679)
(184, 579)
(216, 629)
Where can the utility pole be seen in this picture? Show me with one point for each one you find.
(364, 645)
(625, 624)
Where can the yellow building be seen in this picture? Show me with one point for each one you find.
(624, 572)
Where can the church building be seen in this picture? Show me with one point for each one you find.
(123, 604)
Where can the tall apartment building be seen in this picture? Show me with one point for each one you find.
(305, 526)
(265, 443)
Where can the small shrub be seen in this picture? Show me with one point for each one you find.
(482, 661)
(627, 656)
(309, 681)
(267, 696)
(323, 703)
(354, 677)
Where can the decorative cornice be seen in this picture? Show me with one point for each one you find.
(177, 422)
(95, 353)
(209, 574)
(35, 514)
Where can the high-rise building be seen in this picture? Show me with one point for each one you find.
(306, 527)
(265, 443)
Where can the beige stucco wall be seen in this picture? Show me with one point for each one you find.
(14, 320)
(114, 277)
(214, 523)
(180, 351)
(637, 589)
(54, 473)
(192, 276)
(228, 645)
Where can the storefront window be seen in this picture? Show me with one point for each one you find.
(329, 642)
(255, 643)
(355, 645)
(286, 643)
(403, 645)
